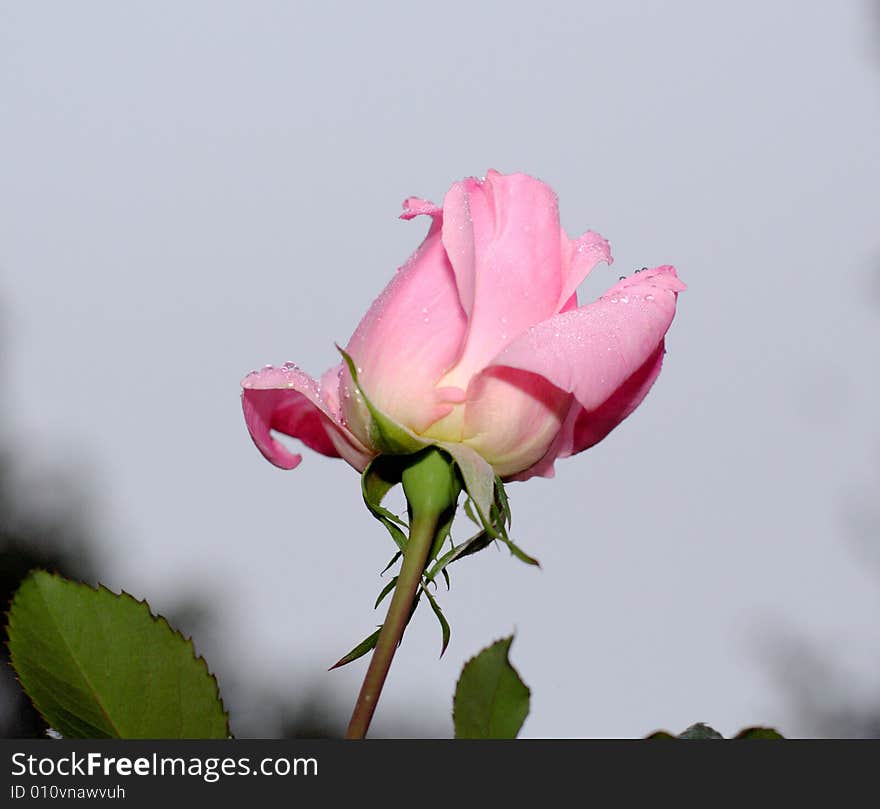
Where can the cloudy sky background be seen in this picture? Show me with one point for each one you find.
(188, 191)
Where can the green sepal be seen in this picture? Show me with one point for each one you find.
(366, 645)
(446, 579)
(393, 560)
(385, 590)
(471, 514)
(443, 533)
(444, 624)
(477, 475)
(386, 435)
(502, 503)
(380, 476)
(476, 543)
(518, 552)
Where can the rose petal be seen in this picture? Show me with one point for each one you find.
(288, 401)
(511, 417)
(412, 333)
(416, 206)
(607, 355)
(579, 257)
(503, 238)
(582, 428)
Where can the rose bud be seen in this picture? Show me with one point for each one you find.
(478, 342)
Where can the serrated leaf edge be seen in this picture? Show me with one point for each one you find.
(161, 619)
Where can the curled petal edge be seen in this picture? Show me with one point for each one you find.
(288, 401)
(605, 354)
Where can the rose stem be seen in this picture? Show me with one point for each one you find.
(431, 485)
(421, 538)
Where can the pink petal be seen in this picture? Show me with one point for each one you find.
(607, 354)
(288, 401)
(503, 239)
(412, 333)
(512, 416)
(579, 257)
(571, 303)
(416, 206)
(583, 428)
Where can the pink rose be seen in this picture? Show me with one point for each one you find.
(478, 345)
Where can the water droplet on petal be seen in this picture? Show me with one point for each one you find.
(624, 299)
(622, 277)
(614, 300)
(649, 297)
(268, 367)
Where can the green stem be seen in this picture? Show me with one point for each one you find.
(421, 538)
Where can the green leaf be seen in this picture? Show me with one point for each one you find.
(491, 701)
(360, 650)
(759, 733)
(101, 665)
(700, 731)
(703, 731)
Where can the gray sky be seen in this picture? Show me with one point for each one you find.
(188, 191)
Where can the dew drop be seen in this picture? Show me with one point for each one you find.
(622, 277)
(614, 300)
(267, 367)
(649, 297)
(624, 299)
